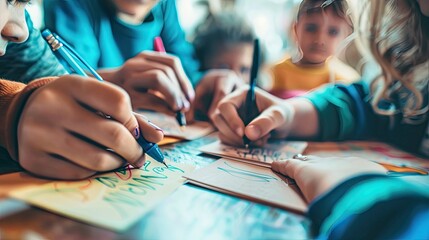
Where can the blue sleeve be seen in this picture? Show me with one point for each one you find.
(175, 42)
(73, 21)
(371, 207)
(29, 60)
(344, 111)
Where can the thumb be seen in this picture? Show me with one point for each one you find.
(270, 119)
(287, 167)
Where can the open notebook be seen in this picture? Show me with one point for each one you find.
(272, 151)
(251, 182)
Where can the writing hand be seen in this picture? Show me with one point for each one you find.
(272, 122)
(154, 81)
(318, 175)
(62, 135)
(295, 117)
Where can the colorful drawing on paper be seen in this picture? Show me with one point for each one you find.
(273, 151)
(171, 127)
(113, 200)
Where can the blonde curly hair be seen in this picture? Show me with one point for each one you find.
(398, 41)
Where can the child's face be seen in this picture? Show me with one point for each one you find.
(13, 27)
(237, 57)
(319, 35)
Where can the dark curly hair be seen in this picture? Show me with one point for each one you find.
(218, 32)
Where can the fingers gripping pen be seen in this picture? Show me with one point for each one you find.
(67, 55)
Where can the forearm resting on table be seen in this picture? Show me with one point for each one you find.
(305, 120)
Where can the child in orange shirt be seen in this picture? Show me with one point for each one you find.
(318, 31)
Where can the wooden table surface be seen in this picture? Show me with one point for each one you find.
(189, 213)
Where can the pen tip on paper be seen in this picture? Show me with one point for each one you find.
(181, 118)
(165, 164)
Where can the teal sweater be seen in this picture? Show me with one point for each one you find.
(345, 113)
(30, 60)
(368, 207)
(372, 207)
(92, 28)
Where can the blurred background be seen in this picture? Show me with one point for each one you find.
(270, 19)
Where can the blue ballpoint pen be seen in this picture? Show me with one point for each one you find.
(72, 58)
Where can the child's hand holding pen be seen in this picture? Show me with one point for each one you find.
(278, 118)
(269, 122)
(70, 137)
(158, 46)
(75, 63)
(155, 81)
(250, 116)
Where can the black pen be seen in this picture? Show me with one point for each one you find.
(249, 110)
(72, 58)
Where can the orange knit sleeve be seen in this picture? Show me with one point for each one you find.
(13, 96)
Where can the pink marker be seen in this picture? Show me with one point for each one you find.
(158, 46)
